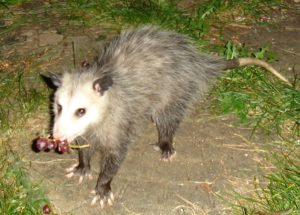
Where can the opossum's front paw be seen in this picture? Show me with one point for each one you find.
(104, 198)
(82, 172)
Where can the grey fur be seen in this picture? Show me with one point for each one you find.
(155, 75)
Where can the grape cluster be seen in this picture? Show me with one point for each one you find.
(46, 144)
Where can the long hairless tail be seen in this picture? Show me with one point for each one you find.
(239, 62)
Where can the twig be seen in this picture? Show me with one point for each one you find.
(45, 162)
(239, 26)
(74, 59)
(290, 52)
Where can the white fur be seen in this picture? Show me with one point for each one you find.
(68, 126)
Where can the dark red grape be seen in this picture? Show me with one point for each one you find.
(52, 145)
(63, 146)
(45, 144)
(41, 144)
(46, 209)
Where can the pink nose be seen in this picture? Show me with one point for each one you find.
(58, 136)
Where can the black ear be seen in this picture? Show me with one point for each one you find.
(102, 84)
(52, 80)
(55, 78)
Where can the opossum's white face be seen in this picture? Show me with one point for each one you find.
(76, 108)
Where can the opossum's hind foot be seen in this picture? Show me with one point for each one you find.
(105, 199)
(167, 150)
(82, 172)
(168, 155)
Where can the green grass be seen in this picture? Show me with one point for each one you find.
(119, 14)
(11, 2)
(258, 98)
(22, 95)
(264, 103)
(283, 192)
(280, 196)
(17, 194)
(253, 95)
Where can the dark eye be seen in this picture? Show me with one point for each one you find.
(59, 108)
(80, 112)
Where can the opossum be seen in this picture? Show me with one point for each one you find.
(141, 74)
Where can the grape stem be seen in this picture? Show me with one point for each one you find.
(79, 147)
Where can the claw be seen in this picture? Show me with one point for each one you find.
(70, 175)
(111, 196)
(75, 170)
(80, 179)
(103, 201)
(110, 202)
(168, 157)
(71, 168)
(89, 176)
(156, 148)
(167, 151)
(95, 199)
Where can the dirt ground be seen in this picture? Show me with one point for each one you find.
(215, 155)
